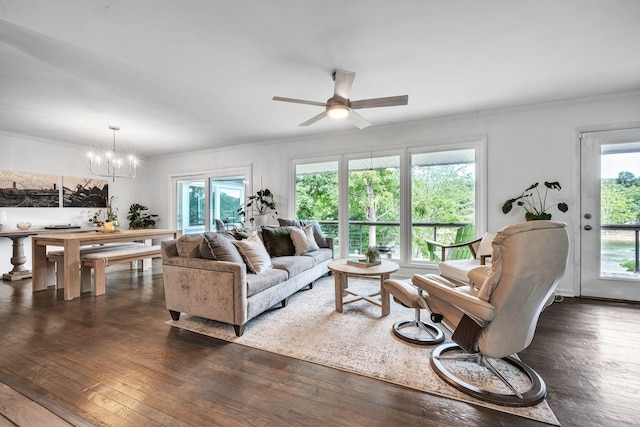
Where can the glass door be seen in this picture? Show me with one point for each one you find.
(610, 211)
(190, 205)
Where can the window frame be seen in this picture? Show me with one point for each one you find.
(476, 143)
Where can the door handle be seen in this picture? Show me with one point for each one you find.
(587, 227)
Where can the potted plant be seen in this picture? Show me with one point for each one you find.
(95, 218)
(111, 217)
(259, 204)
(534, 204)
(138, 218)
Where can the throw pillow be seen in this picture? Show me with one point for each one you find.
(254, 253)
(303, 239)
(320, 238)
(223, 249)
(189, 245)
(206, 252)
(485, 248)
(278, 242)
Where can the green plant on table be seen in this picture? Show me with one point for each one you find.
(138, 218)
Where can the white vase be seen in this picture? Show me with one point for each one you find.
(260, 220)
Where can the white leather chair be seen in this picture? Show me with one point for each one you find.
(496, 317)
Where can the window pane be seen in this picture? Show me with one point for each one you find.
(374, 205)
(227, 195)
(443, 200)
(317, 196)
(190, 206)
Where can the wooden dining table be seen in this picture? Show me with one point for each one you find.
(71, 242)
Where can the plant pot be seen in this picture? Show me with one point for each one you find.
(260, 220)
(541, 217)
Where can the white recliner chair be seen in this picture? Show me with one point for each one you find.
(496, 317)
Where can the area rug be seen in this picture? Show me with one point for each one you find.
(358, 340)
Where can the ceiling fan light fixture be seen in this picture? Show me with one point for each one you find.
(338, 111)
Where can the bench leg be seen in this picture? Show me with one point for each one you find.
(59, 276)
(85, 279)
(51, 273)
(99, 276)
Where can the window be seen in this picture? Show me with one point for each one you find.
(374, 205)
(397, 201)
(316, 195)
(442, 199)
(210, 201)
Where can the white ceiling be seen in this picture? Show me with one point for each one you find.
(183, 75)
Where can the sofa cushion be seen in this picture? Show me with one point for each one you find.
(189, 245)
(485, 247)
(293, 265)
(254, 253)
(278, 241)
(320, 255)
(206, 252)
(257, 283)
(222, 248)
(320, 238)
(206, 249)
(457, 269)
(303, 239)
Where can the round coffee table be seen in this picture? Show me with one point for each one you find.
(342, 271)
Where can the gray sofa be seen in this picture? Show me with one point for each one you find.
(207, 277)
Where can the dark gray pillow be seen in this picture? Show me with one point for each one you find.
(206, 252)
(189, 245)
(318, 235)
(286, 222)
(222, 248)
(278, 241)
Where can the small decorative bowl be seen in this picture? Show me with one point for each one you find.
(23, 225)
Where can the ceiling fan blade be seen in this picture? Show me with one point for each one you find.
(314, 119)
(389, 101)
(344, 81)
(299, 101)
(358, 120)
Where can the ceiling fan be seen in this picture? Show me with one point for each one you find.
(339, 106)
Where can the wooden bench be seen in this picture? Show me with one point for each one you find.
(98, 261)
(55, 274)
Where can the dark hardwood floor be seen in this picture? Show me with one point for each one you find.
(112, 361)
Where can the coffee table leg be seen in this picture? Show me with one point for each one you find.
(339, 282)
(384, 296)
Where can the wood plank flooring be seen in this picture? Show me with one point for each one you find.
(112, 361)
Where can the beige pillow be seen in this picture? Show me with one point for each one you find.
(303, 239)
(485, 248)
(254, 253)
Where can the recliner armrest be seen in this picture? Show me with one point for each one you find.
(439, 287)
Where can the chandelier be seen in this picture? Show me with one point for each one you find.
(112, 164)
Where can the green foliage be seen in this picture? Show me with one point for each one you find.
(138, 218)
(317, 196)
(262, 202)
(441, 193)
(629, 264)
(534, 203)
(620, 199)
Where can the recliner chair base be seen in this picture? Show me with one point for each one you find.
(531, 397)
(434, 334)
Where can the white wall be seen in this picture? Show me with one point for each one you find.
(32, 155)
(524, 145)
